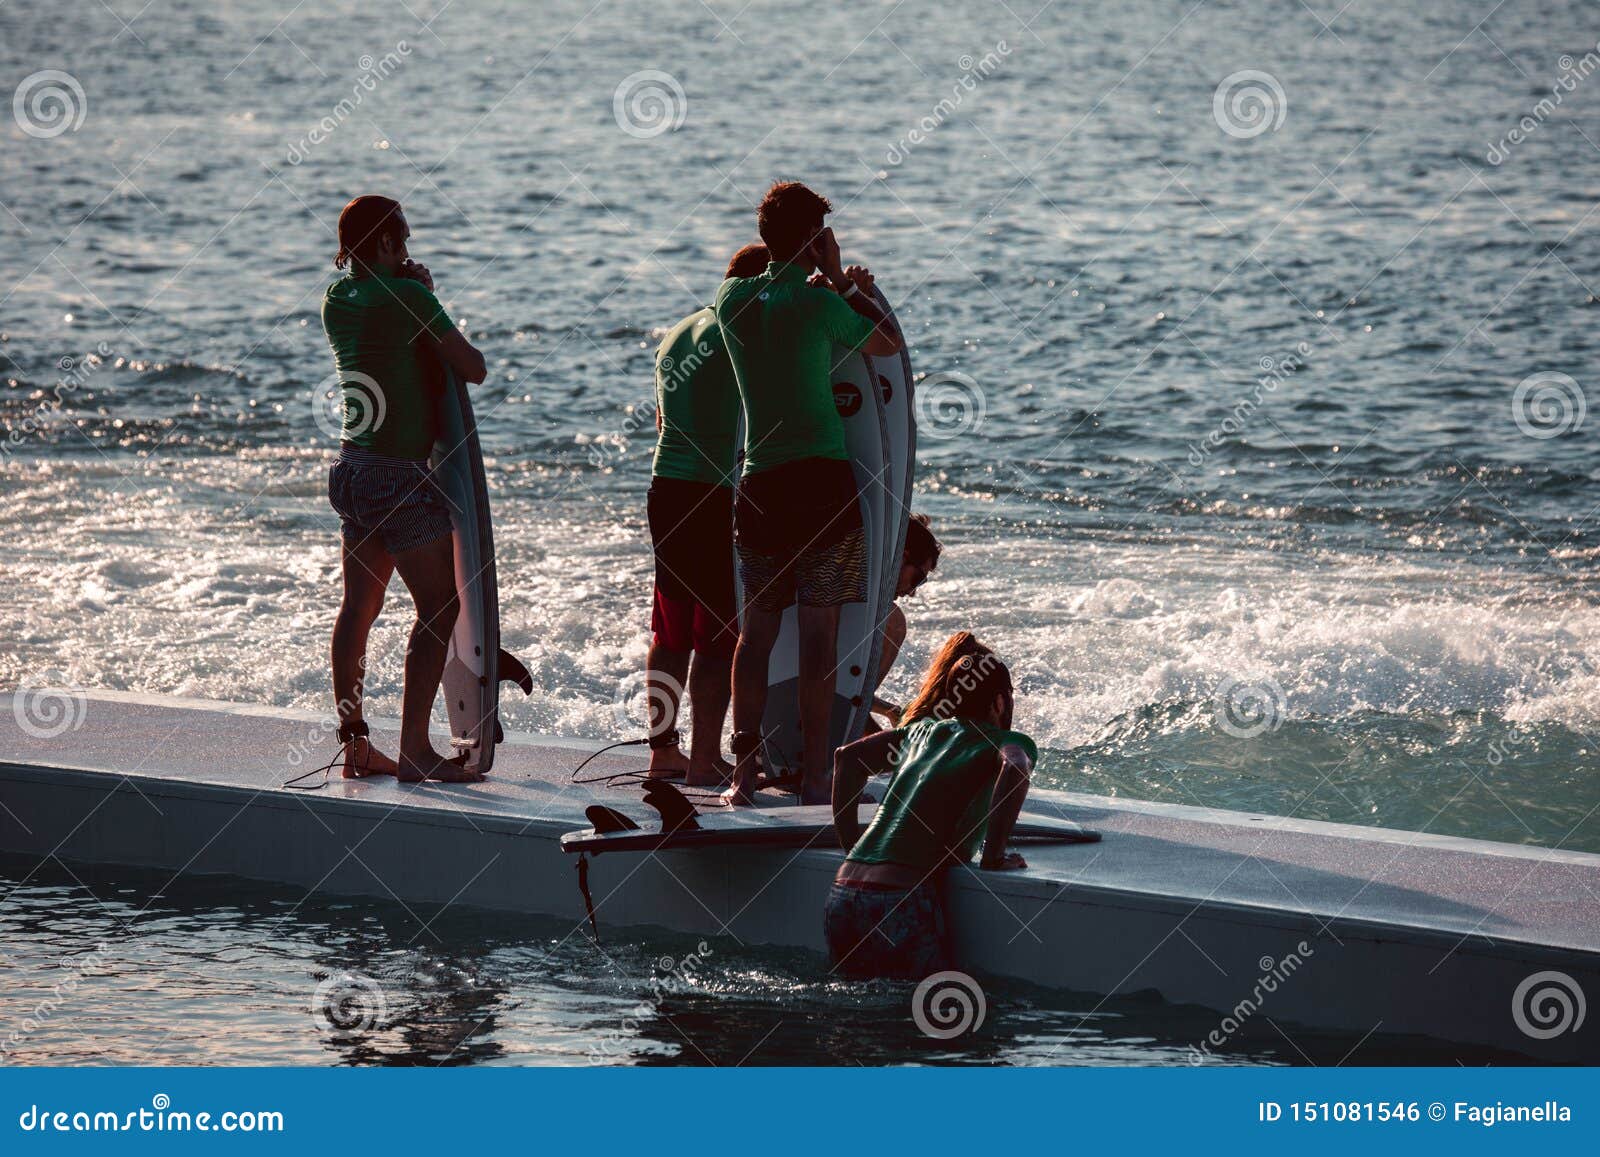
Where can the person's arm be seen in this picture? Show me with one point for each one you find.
(1010, 789)
(855, 286)
(446, 341)
(460, 355)
(853, 765)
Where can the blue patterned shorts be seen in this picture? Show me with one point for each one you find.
(894, 934)
(393, 498)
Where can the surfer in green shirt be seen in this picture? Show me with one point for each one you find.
(694, 611)
(387, 332)
(797, 517)
(960, 775)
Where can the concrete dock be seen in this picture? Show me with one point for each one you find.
(1335, 927)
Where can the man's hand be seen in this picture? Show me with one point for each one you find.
(1010, 862)
(417, 271)
(819, 280)
(860, 278)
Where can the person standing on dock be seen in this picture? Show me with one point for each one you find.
(960, 776)
(388, 332)
(694, 610)
(797, 517)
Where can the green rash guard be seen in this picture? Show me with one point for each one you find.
(374, 325)
(938, 798)
(697, 403)
(781, 334)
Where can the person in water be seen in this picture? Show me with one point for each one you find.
(690, 509)
(388, 333)
(796, 516)
(918, 559)
(960, 777)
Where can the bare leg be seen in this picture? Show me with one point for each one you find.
(664, 679)
(756, 638)
(709, 689)
(430, 575)
(819, 637)
(367, 568)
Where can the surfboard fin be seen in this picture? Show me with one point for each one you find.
(677, 813)
(607, 819)
(512, 671)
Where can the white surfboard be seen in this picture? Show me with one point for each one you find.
(771, 827)
(880, 448)
(474, 664)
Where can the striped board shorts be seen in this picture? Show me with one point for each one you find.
(393, 498)
(820, 576)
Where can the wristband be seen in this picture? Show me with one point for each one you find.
(850, 290)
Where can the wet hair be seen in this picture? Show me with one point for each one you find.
(920, 543)
(961, 682)
(789, 219)
(749, 261)
(363, 224)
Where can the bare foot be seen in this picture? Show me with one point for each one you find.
(433, 766)
(715, 774)
(737, 796)
(668, 763)
(361, 760)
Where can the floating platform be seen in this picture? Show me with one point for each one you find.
(1349, 929)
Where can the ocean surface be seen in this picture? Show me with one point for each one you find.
(1256, 341)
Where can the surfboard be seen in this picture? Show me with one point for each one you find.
(880, 447)
(474, 664)
(896, 398)
(793, 826)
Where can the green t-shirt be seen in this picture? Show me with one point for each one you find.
(938, 798)
(783, 338)
(697, 402)
(374, 325)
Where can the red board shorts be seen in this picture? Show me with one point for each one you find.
(691, 527)
(800, 535)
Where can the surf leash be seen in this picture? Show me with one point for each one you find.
(348, 734)
(710, 797)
